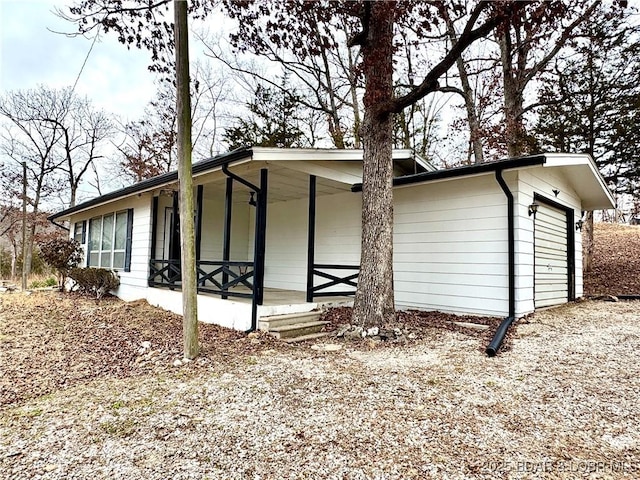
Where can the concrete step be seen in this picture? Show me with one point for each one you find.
(267, 323)
(304, 338)
(296, 329)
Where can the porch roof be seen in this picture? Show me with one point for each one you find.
(340, 169)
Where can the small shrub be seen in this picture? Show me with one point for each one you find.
(48, 282)
(62, 254)
(96, 282)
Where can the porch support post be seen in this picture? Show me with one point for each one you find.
(154, 234)
(199, 197)
(311, 236)
(261, 233)
(174, 241)
(175, 249)
(259, 250)
(226, 248)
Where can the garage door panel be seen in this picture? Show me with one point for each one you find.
(560, 230)
(551, 252)
(552, 238)
(551, 266)
(550, 223)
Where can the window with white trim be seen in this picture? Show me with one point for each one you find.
(108, 240)
(78, 232)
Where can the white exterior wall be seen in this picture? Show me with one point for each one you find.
(212, 239)
(450, 243)
(337, 238)
(542, 181)
(133, 284)
(165, 203)
(451, 246)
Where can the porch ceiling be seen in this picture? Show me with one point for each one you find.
(283, 183)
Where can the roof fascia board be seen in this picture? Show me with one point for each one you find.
(466, 171)
(321, 154)
(198, 168)
(578, 159)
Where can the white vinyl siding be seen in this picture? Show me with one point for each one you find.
(450, 246)
(133, 284)
(542, 181)
(337, 239)
(551, 274)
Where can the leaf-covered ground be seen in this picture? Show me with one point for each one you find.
(50, 340)
(97, 391)
(85, 398)
(616, 263)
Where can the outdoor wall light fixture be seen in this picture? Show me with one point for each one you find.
(533, 209)
(252, 201)
(579, 225)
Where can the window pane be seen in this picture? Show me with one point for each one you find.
(94, 240)
(121, 231)
(93, 259)
(77, 232)
(107, 232)
(118, 259)
(105, 260)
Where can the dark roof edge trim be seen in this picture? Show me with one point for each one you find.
(150, 183)
(464, 171)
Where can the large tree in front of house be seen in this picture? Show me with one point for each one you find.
(308, 29)
(374, 27)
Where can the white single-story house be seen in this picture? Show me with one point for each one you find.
(278, 232)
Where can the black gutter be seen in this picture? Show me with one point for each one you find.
(248, 184)
(58, 225)
(151, 183)
(464, 171)
(498, 337)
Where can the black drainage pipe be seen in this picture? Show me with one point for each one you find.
(498, 337)
(628, 297)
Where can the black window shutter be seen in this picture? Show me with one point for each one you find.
(84, 231)
(127, 251)
(88, 263)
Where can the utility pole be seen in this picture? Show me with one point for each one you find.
(24, 226)
(185, 178)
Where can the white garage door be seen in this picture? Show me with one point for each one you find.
(551, 269)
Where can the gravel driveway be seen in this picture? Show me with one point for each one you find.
(561, 403)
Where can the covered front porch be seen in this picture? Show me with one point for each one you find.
(273, 237)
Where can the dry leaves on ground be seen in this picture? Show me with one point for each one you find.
(616, 261)
(561, 404)
(50, 341)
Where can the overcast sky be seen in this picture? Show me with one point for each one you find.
(116, 79)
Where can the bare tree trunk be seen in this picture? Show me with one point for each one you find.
(24, 227)
(475, 138)
(14, 262)
(374, 302)
(513, 104)
(187, 235)
(587, 243)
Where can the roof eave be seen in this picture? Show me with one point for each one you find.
(155, 182)
(465, 171)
